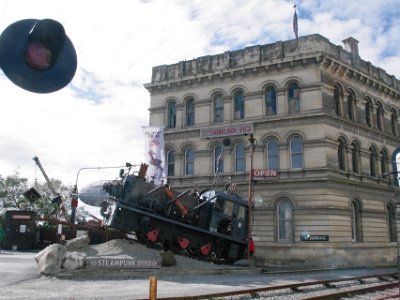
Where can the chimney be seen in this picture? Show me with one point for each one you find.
(351, 45)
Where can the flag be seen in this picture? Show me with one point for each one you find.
(154, 152)
(295, 25)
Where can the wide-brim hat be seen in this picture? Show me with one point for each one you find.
(13, 42)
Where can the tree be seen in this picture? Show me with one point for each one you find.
(14, 186)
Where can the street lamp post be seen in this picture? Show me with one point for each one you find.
(252, 141)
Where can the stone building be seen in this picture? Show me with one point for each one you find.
(325, 125)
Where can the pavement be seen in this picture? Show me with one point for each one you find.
(17, 267)
(20, 280)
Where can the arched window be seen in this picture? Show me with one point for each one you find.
(351, 106)
(393, 122)
(189, 162)
(296, 153)
(391, 216)
(285, 220)
(355, 157)
(240, 158)
(218, 102)
(171, 163)
(293, 98)
(337, 98)
(384, 163)
(272, 148)
(171, 122)
(379, 116)
(355, 221)
(190, 112)
(368, 112)
(218, 160)
(270, 101)
(372, 161)
(342, 155)
(238, 99)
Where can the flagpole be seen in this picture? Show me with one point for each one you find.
(295, 23)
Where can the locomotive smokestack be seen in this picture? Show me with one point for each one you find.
(143, 170)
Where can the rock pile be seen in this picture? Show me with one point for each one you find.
(115, 254)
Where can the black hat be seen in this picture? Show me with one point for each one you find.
(45, 41)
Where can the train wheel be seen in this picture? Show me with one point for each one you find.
(206, 249)
(183, 242)
(152, 235)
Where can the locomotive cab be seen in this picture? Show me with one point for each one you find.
(229, 216)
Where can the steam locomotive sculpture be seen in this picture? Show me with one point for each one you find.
(208, 225)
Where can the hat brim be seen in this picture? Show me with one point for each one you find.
(12, 45)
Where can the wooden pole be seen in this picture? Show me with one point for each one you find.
(153, 288)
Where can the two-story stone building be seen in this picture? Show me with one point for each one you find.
(325, 126)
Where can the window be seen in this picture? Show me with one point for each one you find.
(355, 221)
(189, 162)
(272, 148)
(355, 158)
(384, 163)
(342, 155)
(270, 101)
(391, 215)
(238, 99)
(170, 163)
(218, 160)
(190, 112)
(393, 122)
(240, 158)
(351, 106)
(372, 161)
(379, 117)
(296, 153)
(171, 115)
(285, 220)
(337, 98)
(368, 112)
(218, 108)
(293, 98)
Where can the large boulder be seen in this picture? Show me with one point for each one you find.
(50, 259)
(74, 260)
(78, 243)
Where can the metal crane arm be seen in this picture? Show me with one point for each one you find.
(49, 183)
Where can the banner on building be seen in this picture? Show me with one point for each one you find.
(154, 154)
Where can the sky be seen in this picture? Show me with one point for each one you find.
(97, 119)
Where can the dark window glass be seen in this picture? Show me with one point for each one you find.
(171, 115)
(342, 155)
(218, 160)
(218, 108)
(240, 158)
(190, 112)
(270, 101)
(296, 153)
(337, 97)
(170, 163)
(272, 155)
(239, 105)
(189, 162)
(293, 98)
(285, 220)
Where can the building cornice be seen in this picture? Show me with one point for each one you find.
(260, 60)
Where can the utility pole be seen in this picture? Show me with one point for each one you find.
(252, 141)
